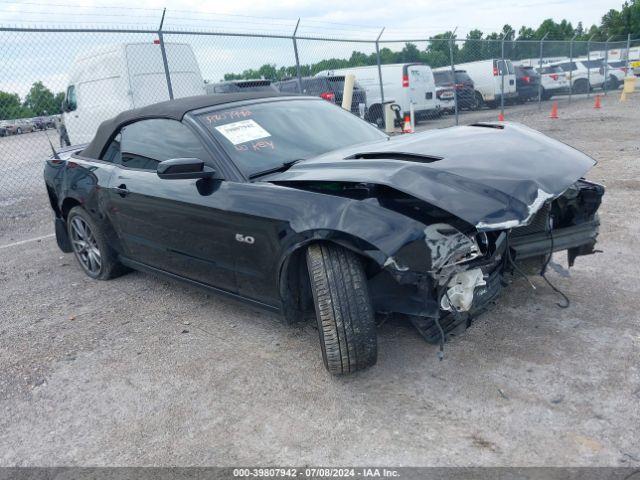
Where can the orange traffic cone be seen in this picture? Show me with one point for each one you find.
(500, 117)
(407, 125)
(597, 104)
(554, 110)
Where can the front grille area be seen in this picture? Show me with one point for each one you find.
(539, 222)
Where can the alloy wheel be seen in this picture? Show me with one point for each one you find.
(85, 246)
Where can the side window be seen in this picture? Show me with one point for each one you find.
(146, 143)
(500, 65)
(113, 154)
(71, 99)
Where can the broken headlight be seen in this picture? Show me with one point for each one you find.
(448, 246)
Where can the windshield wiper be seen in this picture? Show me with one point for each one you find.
(284, 167)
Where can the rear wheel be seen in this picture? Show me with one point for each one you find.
(581, 86)
(95, 256)
(479, 101)
(19, 131)
(544, 95)
(375, 115)
(343, 309)
(613, 83)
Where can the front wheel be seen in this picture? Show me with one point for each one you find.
(344, 312)
(613, 83)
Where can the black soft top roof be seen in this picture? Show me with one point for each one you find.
(172, 109)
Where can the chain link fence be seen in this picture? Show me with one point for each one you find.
(57, 85)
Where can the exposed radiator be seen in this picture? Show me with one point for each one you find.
(539, 222)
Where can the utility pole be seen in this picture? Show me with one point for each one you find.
(606, 63)
(502, 69)
(588, 69)
(295, 52)
(571, 61)
(540, 86)
(453, 72)
(163, 51)
(380, 71)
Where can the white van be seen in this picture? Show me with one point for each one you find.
(403, 83)
(487, 80)
(112, 79)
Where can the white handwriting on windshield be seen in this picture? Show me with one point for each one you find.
(230, 115)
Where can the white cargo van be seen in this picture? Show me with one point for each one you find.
(487, 80)
(115, 78)
(403, 83)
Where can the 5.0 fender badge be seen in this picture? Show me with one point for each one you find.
(245, 239)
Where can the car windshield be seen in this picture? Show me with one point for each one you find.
(552, 69)
(265, 136)
(443, 78)
(462, 77)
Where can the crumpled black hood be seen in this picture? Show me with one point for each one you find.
(493, 178)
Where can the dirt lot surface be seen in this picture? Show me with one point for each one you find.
(142, 371)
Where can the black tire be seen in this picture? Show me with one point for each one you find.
(544, 95)
(19, 131)
(375, 115)
(581, 86)
(345, 316)
(109, 265)
(613, 83)
(479, 103)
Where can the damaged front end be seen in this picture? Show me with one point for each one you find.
(452, 274)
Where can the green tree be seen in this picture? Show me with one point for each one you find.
(10, 106)
(41, 101)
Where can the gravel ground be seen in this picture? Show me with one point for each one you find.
(142, 371)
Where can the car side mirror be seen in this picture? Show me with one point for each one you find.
(184, 168)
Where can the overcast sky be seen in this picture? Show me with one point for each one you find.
(415, 17)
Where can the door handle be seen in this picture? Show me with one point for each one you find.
(122, 190)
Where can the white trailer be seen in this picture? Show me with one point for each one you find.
(115, 78)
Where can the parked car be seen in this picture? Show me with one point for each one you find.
(487, 76)
(583, 78)
(615, 71)
(330, 87)
(294, 205)
(554, 81)
(107, 80)
(527, 83)
(40, 123)
(614, 77)
(461, 82)
(234, 86)
(446, 97)
(19, 126)
(403, 83)
(622, 65)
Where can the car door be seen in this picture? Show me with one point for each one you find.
(505, 70)
(420, 94)
(178, 225)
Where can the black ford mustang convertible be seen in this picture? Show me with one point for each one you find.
(296, 205)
